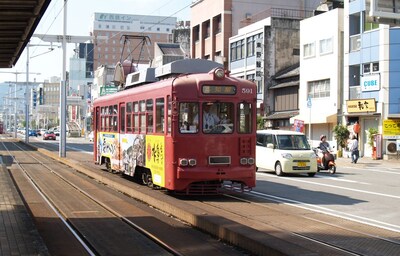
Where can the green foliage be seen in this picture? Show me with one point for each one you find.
(260, 123)
(341, 134)
(371, 133)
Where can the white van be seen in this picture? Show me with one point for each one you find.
(285, 152)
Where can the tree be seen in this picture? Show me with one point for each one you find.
(341, 134)
(371, 133)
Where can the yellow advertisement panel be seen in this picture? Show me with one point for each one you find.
(155, 158)
(361, 105)
(391, 128)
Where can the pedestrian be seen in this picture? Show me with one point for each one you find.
(355, 154)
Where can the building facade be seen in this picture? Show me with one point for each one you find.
(214, 22)
(143, 30)
(372, 71)
(321, 69)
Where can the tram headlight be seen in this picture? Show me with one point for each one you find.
(247, 161)
(183, 162)
(192, 162)
(250, 161)
(219, 73)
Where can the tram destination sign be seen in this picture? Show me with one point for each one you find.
(219, 89)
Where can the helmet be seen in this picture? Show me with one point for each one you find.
(322, 136)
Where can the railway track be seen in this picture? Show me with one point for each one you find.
(104, 221)
(260, 224)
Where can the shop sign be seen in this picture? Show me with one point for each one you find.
(391, 129)
(360, 106)
(370, 83)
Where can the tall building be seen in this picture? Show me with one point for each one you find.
(129, 37)
(371, 71)
(321, 73)
(213, 22)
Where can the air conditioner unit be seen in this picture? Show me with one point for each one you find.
(391, 147)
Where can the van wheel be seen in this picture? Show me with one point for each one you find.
(278, 169)
(311, 174)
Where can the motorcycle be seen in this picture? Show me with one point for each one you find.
(329, 158)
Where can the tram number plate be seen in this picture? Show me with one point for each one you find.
(301, 164)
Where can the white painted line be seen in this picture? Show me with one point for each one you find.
(324, 210)
(333, 186)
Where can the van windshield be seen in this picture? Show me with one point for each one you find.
(293, 142)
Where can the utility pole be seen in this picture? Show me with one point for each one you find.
(15, 99)
(64, 39)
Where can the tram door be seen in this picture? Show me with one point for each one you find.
(121, 127)
(96, 123)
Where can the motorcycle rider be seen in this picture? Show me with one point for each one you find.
(325, 148)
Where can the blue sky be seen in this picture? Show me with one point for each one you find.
(79, 14)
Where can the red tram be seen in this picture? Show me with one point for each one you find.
(161, 134)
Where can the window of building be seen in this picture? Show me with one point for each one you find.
(367, 68)
(375, 67)
(167, 29)
(107, 26)
(233, 51)
(319, 89)
(250, 46)
(142, 27)
(309, 50)
(99, 25)
(354, 75)
(370, 26)
(325, 46)
(217, 24)
(158, 29)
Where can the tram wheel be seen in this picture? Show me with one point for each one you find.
(147, 180)
(108, 165)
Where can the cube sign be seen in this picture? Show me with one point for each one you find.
(370, 83)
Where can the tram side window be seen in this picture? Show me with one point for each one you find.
(129, 117)
(136, 117)
(160, 115)
(149, 114)
(245, 118)
(142, 108)
(122, 122)
(169, 120)
(114, 124)
(188, 117)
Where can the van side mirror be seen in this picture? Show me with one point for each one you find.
(270, 145)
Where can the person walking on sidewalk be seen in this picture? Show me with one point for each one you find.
(355, 154)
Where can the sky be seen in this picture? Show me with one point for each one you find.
(79, 16)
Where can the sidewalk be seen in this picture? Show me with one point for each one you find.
(368, 161)
(18, 234)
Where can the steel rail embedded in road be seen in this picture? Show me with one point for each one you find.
(66, 223)
(89, 248)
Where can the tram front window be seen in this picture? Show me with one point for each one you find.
(187, 113)
(217, 117)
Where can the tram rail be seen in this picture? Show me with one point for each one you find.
(258, 224)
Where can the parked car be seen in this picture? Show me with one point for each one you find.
(49, 136)
(285, 152)
(40, 132)
(32, 133)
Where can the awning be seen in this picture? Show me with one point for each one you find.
(286, 84)
(282, 115)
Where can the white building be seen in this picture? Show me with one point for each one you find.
(321, 72)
